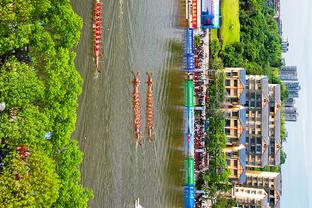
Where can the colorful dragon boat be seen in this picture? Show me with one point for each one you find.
(97, 27)
(149, 107)
(136, 108)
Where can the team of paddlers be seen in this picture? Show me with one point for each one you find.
(97, 25)
(150, 105)
(136, 107)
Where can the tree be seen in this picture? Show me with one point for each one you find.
(72, 194)
(29, 183)
(19, 84)
(15, 25)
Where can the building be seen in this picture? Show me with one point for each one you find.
(235, 126)
(293, 88)
(235, 83)
(250, 197)
(288, 73)
(285, 45)
(290, 102)
(276, 5)
(289, 77)
(235, 130)
(236, 163)
(291, 114)
(269, 181)
(257, 121)
(280, 27)
(235, 123)
(274, 124)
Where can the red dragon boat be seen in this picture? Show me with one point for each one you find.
(149, 106)
(97, 29)
(136, 108)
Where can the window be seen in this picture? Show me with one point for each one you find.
(235, 172)
(228, 162)
(228, 123)
(235, 163)
(227, 82)
(235, 123)
(235, 100)
(235, 113)
(228, 91)
(227, 131)
(235, 83)
(235, 92)
(252, 148)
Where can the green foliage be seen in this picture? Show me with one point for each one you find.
(19, 84)
(259, 49)
(224, 202)
(275, 169)
(214, 50)
(64, 24)
(29, 128)
(45, 93)
(230, 28)
(196, 41)
(72, 194)
(30, 183)
(199, 183)
(283, 156)
(217, 178)
(283, 127)
(15, 24)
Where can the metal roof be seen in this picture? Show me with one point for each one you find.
(242, 118)
(242, 77)
(242, 159)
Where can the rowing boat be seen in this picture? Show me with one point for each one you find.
(97, 29)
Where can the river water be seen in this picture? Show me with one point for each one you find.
(138, 36)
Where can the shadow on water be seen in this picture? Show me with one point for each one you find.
(174, 113)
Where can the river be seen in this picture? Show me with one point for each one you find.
(138, 36)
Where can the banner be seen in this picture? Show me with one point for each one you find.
(194, 14)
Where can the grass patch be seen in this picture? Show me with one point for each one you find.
(214, 34)
(230, 28)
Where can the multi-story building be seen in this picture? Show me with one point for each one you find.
(235, 82)
(290, 102)
(291, 114)
(276, 5)
(285, 45)
(235, 131)
(257, 120)
(250, 197)
(269, 181)
(235, 126)
(235, 123)
(236, 163)
(293, 88)
(289, 77)
(275, 124)
(287, 73)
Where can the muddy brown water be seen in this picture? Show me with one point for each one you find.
(137, 36)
